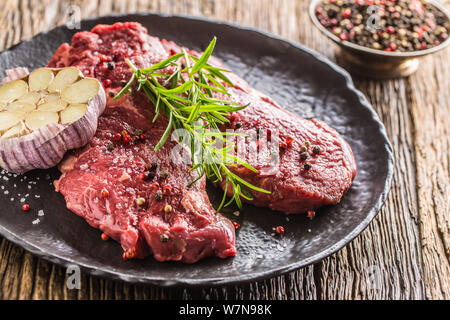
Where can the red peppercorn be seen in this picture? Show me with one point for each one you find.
(423, 45)
(117, 137)
(437, 42)
(396, 15)
(143, 137)
(104, 236)
(390, 29)
(236, 225)
(129, 254)
(393, 46)
(289, 141)
(347, 13)
(105, 193)
(279, 229)
(283, 146)
(167, 189)
(311, 214)
(107, 83)
(126, 138)
(25, 207)
(103, 58)
(343, 37)
(333, 22)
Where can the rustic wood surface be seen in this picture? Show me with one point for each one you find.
(404, 253)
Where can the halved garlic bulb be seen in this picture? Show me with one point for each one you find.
(46, 113)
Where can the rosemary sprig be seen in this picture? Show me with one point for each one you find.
(186, 97)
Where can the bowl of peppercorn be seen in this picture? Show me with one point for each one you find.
(382, 38)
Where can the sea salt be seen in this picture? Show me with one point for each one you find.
(36, 221)
(40, 213)
(22, 200)
(84, 166)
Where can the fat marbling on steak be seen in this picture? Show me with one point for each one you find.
(103, 181)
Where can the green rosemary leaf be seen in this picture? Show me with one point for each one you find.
(204, 58)
(166, 133)
(125, 88)
(162, 64)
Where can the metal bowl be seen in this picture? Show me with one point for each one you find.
(376, 63)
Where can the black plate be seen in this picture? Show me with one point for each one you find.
(298, 78)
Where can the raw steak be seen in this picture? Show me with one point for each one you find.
(274, 148)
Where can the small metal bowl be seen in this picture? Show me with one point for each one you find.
(376, 63)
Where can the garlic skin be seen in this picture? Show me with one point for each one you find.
(45, 147)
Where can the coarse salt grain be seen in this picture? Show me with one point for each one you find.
(36, 221)
(40, 213)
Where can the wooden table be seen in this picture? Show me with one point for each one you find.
(405, 250)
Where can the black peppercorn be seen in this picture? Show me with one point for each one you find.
(238, 125)
(111, 94)
(307, 166)
(164, 238)
(158, 195)
(304, 155)
(111, 65)
(316, 149)
(149, 175)
(109, 147)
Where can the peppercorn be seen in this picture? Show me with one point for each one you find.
(307, 166)
(123, 83)
(149, 176)
(303, 149)
(117, 137)
(168, 208)
(316, 150)
(238, 125)
(236, 225)
(138, 132)
(126, 138)
(104, 236)
(111, 94)
(164, 238)
(109, 147)
(106, 83)
(140, 201)
(164, 174)
(283, 146)
(105, 193)
(279, 230)
(167, 189)
(158, 195)
(142, 137)
(304, 155)
(111, 65)
(26, 207)
(311, 214)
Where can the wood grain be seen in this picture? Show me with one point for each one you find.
(403, 254)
